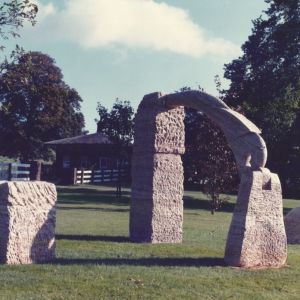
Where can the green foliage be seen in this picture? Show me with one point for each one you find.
(37, 106)
(118, 125)
(12, 16)
(265, 83)
(95, 260)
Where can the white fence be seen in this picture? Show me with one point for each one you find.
(97, 176)
(12, 172)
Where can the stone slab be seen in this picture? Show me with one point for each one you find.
(292, 226)
(27, 222)
(257, 236)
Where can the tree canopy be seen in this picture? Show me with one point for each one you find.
(265, 82)
(118, 125)
(36, 106)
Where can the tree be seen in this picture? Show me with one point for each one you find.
(36, 106)
(118, 125)
(14, 16)
(208, 160)
(11, 20)
(265, 83)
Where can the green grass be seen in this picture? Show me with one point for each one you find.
(96, 261)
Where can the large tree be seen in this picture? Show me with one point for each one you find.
(118, 125)
(265, 83)
(36, 106)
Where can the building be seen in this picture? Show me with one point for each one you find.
(92, 151)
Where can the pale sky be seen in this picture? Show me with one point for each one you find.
(124, 49)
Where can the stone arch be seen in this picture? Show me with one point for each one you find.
(156, 208)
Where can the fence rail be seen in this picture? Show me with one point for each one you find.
(98, 176)
(11, 172)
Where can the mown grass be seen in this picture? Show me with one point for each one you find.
(96, 261)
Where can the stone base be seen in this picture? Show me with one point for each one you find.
(256, 236)
(292, 226)
(27, 222)
(156, 206)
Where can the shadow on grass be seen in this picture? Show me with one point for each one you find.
(146, 262)
(101, 238)
(93, 209)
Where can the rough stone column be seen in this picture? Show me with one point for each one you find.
(27, 222)
(257, 236)
(156, 207)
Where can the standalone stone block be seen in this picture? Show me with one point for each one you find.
(292, 226)
(27, 222)
(156, 207)
(256, 236)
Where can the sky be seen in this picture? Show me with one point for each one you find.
(125, 49)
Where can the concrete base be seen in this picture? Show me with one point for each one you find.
(27, 222)
(257, 236)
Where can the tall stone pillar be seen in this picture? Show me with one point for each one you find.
(256, 235)
(156, 207)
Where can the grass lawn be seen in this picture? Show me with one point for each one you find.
(96, 261)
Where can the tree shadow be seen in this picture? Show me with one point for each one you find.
(101, 238)
(146, 262)
(94, 209)
(190, 202)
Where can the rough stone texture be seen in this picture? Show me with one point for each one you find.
(256, 236)
(292, 226)
(156, 207)
(243, 136)
(27, 222)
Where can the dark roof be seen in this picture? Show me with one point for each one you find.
(89, 139)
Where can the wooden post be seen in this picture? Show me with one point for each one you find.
(92, 176)
(9, 171)
(75, 176)
(102, 176)
(82, 176)
(111, 175)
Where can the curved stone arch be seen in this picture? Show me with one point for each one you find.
(156, 207)
(243, 136)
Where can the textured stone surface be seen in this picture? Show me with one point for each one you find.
(256, 236)
(243, 136)
(27, 222)
(292, 226)
(156, 207)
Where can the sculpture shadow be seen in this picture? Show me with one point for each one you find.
(147, 262)
(4, 234)
(100, 238)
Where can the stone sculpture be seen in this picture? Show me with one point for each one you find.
(292, 226)
(156, 207)
(256, 236)
(27, 222)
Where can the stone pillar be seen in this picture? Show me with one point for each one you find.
(256, 235)
(156, 207)
(27, 222)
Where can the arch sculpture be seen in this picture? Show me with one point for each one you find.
(256, 236)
